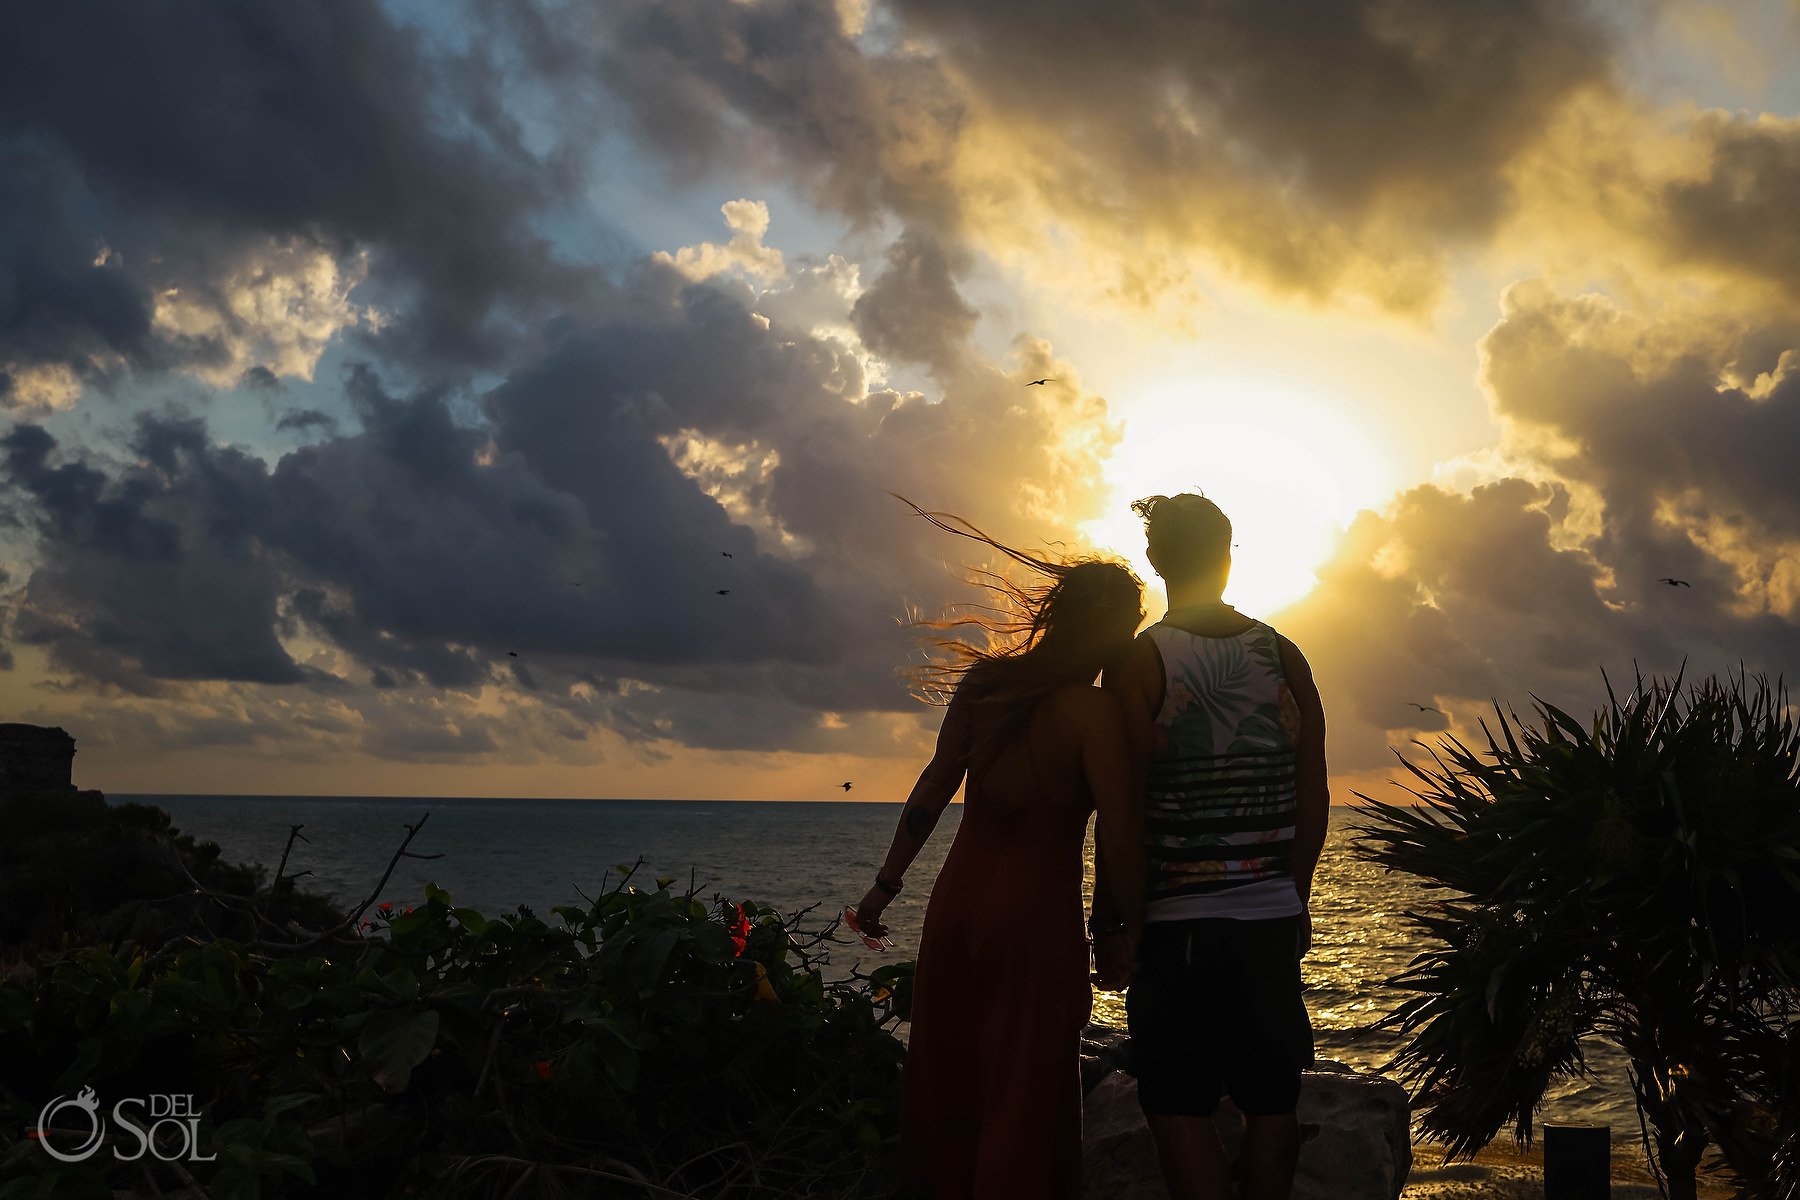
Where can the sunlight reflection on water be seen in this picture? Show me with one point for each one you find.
(1361, 939)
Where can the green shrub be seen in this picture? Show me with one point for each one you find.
(646, 1045)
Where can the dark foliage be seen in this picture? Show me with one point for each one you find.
(647, 1045)
(74, 867)
(1636, 879)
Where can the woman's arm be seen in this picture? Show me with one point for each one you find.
(1138, 684)
(936, 787)
(1106, 761)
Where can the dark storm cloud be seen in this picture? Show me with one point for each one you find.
(1640, 410)
(1654, 466)
(573, 545)
(179, 157)
(1740, 214)
(713, 82)
(913, 311)
(306, 418)
(158, 575)
(1323, 148)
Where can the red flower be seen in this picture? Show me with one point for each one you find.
(740, 931)
(389, 907)
(543, 1068)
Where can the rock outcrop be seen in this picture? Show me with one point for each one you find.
(1103, 1050)
(1355, 1138)
(35, 758)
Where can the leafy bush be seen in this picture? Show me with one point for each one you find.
(1637, 879)
(72, 865)
(646, 1045)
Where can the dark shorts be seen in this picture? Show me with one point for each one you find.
(1215, 1010)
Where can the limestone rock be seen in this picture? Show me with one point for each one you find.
(1355, 1139)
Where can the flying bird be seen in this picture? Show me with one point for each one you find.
(512, 654)
(1038, 382)
(724, 592)
(1675, 582)
(845, 786)
(725, 553)
(1425, 708)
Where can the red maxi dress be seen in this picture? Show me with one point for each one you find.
(992, 1090)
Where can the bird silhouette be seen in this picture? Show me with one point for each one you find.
(1675, 582)
(725, 554)
(1040, 382)
(724, 591)
(512, 654)
(845, 786)
(1424, 708)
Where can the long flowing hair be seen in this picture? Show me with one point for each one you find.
(1036, 636)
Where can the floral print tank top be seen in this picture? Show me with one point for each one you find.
(1221, 790)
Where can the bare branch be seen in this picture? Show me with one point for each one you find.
(293, 833)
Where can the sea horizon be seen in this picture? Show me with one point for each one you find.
(133, 797)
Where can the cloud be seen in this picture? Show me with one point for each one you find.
(226, 194)
(1737, 214)
(913, 310)
(156, 577)
(1639, 447)
(271, 310)
(1334, 152)
(748, 221)
(202, 189)
(564, 552)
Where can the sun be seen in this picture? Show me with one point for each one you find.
(1290, 471)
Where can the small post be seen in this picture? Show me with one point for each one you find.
(1577, 1162)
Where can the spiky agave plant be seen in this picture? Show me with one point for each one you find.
(1637, 879)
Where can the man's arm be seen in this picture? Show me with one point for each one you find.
(1313, 794)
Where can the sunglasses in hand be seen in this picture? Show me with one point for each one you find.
(872, 941)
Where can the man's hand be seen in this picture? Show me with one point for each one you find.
(1304, 942)
(1115, 960)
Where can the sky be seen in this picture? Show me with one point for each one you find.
(506, 398)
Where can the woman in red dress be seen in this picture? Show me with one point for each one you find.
(992, 1088)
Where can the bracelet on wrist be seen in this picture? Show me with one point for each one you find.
(892, 889)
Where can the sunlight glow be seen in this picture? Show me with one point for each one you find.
(1288, 469)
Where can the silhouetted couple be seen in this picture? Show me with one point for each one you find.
(1203, 758)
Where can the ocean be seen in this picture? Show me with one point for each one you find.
(498, 854)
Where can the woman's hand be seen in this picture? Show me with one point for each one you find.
(868, 913)
(1115, 960)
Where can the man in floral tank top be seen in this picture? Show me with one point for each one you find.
(1228, 740)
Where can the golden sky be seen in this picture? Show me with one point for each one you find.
(450, 402)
